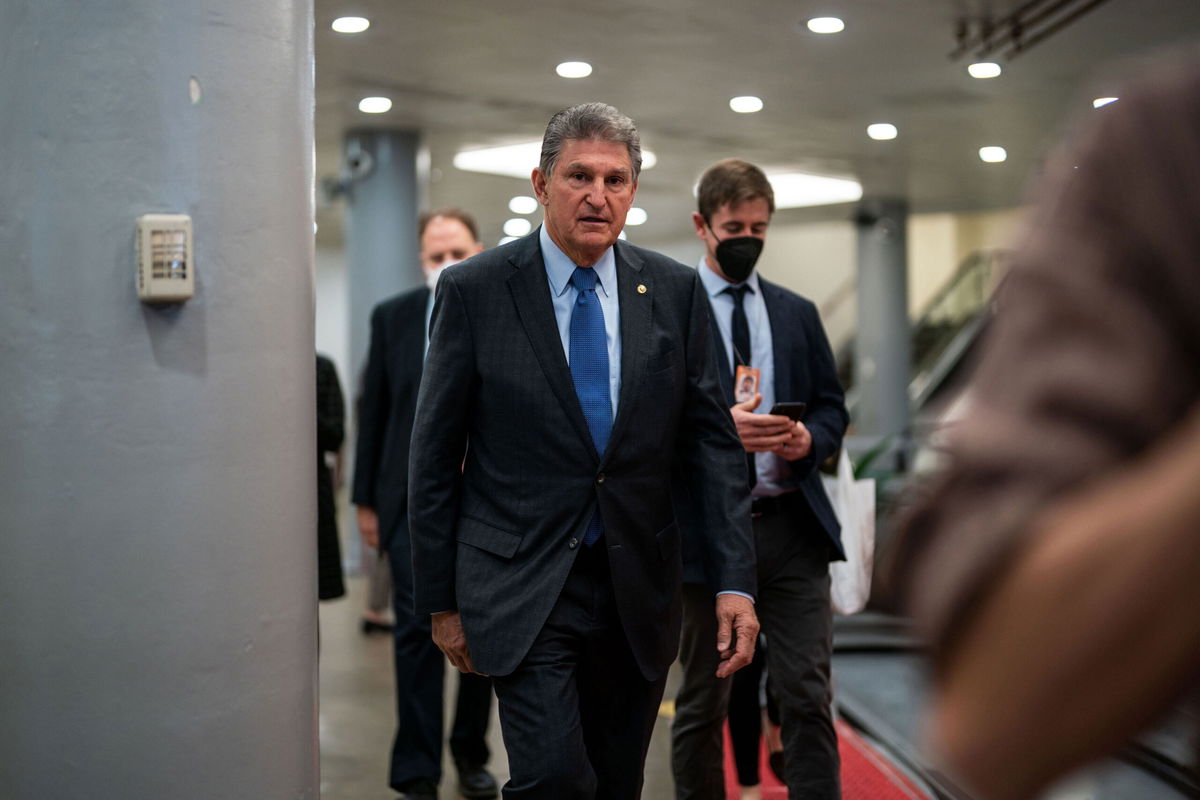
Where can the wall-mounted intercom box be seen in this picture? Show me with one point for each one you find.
(166, 270)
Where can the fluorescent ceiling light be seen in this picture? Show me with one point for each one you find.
(374, 105)
(523, 204)
(573, 69)
(518, 226)
(993, 154)
(636, 216)
(984, 69)
(746, 104)
(514, 160)
(826, 25)
(1103, 101)
(882, 131)
(351, 24)
(799, 190)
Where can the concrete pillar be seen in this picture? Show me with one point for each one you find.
(385, 180)
(157, 554)
(883, 345)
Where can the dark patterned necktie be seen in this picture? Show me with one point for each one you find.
(740, 333)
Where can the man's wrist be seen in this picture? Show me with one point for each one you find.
(736, 592)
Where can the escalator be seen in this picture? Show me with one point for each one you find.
(945, 331)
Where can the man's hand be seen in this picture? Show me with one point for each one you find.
(737, 632)
(449, 637)
(368, 526)
(798, 445)
(760, 433)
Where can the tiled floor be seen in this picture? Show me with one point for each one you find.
(357, 715)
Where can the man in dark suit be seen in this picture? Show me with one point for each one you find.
(385, 420)
(765, 327)
(573, 370)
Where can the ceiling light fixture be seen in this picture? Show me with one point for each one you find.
(984, 69)
(507, 239)
(1103, 101)
(515, 160)
(882, 131)
(573, 69)
(800, 190)
(517, 226)
(746, 104)
(826, 25)
(374, 105)
(636, 216)
(351, 24)
(992, 154)
(523, 204)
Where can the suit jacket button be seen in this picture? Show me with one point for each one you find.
(573, 543)
(600, 478)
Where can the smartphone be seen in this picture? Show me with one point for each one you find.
(791, 410)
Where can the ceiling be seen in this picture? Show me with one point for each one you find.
(470, 73)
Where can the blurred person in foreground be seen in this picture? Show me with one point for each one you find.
(574, 370)
(385, 419)
(1055, 562)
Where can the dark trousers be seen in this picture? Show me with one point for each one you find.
(794, 611)
(420, 674)
(577, 713)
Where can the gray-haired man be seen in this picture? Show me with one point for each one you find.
(579, 369)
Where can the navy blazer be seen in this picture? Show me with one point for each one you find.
(386, 409)
(495, 538)
(805, 371)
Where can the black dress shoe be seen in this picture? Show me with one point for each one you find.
(419, 790)
(475, 782)
(370, 626)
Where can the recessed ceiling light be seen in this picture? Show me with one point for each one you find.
(1103, 101)
(636, 216)
(507, 239)
(984, 69)
(622, 235)
(799, 190)
(515, 160)
(746, 104)
(351, 24)
(573, 69)
(993, 154)
(882, 131)
(523, 204)
(374, 105)
(826, 25)
(517, 226)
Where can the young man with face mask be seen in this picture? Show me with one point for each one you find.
(399, 339)
(764, 327)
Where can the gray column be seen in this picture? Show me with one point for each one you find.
(883, 345)
(157, 557)
(384, 183)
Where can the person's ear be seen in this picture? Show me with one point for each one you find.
(539, 185)
(700, 223)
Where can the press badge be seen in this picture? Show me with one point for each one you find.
(745, 383)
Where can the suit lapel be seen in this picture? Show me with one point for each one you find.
(781, 335)
(531, 294)
(636, 305)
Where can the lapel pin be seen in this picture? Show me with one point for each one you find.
(641, 288)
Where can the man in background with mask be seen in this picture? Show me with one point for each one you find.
(399, 338)
(761, 327)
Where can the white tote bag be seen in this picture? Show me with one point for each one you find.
(854, 503)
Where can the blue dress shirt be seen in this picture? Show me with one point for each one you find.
(773, 471)
(558, 270)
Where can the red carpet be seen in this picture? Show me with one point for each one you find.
(867, 774)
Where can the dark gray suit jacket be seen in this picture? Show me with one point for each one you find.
(496, 540)
(386, 409)
(805, 371)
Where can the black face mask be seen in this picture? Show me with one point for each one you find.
(738, 255)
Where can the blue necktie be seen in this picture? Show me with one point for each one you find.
(589, 371)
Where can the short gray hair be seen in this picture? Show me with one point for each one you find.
(589, 121)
